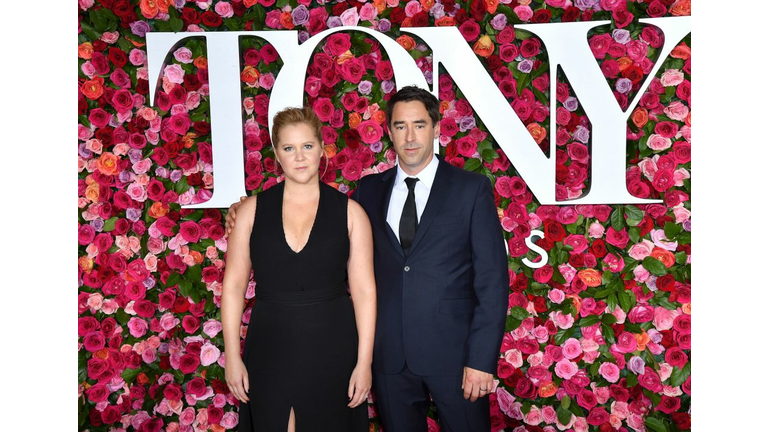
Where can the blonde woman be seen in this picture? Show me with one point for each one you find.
(308, 350)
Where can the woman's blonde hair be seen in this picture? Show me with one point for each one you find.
(291, 116)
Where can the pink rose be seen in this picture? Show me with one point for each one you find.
(671, 77)
(676, 111)
(137, 327)
(658, 142)
(566, 369)
(556, 296)
(525, 13)
(229, 420)
(571, 349)
(324, 109)
(617, 238)
(174, 73)
(224, 9)
(664, 318)
(368, 12)
(350, 17)
(609, 371)
(370, 131)
(625, 343)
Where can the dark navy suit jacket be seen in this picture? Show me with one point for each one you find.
(444, 306)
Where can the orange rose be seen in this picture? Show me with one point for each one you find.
(102, 353)
(286, 20)
(576, 300)
(85, 263)
(197, 256)
(681, 8)
(380, 5)
(624, 62)
(682, 51)
(642, 340)
(143, 379)
(491, 5)
(188, 140)
(249, 3)
(343, 57)
(334, 185)
(590, 277)
(85, 50)
(484, 46)
(444, 105)
(663, 255)
(407, 22)
(547, 389)
(93, 88)
(537, 132)
(426, 5)
(158, 210)
(163, 5)
(249, 75)
(149, 8)
(107, 163)
(217, 428)
(330, 150)
(92, 192)
(688, 119)
(354, 120)
(201, 63)
(380, 116)
(640, 117)
(686, 308)
(445, 21)
(406, 42)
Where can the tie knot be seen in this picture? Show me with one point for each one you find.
(411, 182)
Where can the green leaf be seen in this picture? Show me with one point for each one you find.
(185, 287)
(627, 300)
(611, 301)
(176, 24)
(589, 320)
(130, 374)
(681, 257)
(655, 424)
(512, 323)
(563, 335)
(672, 229)
(518, 313)
(617, 219)
(472, 164)
(609, 319)
(109, 224)
(634, 212)
(194, 274)
(631, 380)
(654, 266)
(634, 234)
(565, 402)
(489, 155)
(122, 316)
(563, 415)
(173, 279)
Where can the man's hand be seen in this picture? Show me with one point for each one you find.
(231, 216)
(476, 383)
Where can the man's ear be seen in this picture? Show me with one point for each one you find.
(437, 130)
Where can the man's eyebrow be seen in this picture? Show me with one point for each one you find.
(399, 122)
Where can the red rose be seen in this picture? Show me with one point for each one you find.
(597, 416)
(338, 43)
(173, 392)
(210, 19)
(571, 14)
(144, 308)
(189, 363)
(542, 16)
(682, 420)
(190, 16)
(152, 425)
(478, 8)
(110, 415)
(656, 9)
(554, 231)
(160, 156)
(97, 393)
(384, 70)
(396, 15)
(190, 323)
(421, 19)
(525, 389)
(530, 47)
(668, 404)
(470, 30)
(520, 283)
(196, 387)
(622, 17)
(117, 57)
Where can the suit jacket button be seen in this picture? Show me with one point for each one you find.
(407, 268)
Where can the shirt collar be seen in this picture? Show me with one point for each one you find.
(426, 176)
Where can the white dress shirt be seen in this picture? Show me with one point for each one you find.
(400, 193)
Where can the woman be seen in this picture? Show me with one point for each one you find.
(307, 355)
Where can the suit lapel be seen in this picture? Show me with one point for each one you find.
(437, 195)
(385, 192)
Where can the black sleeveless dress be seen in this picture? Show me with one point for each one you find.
(301, 345)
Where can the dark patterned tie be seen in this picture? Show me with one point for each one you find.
(408, 220)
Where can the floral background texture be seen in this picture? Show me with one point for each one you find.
(597, 339)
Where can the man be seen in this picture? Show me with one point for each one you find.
(441, 278)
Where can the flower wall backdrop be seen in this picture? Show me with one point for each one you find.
(597, 339)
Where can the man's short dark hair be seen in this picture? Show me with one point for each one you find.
(413, 93)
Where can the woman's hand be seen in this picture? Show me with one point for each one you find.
(359, 385)
(237, 378)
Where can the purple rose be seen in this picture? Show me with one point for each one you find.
(300, 15)
(140, 28)
(499, 22)
(525, 66)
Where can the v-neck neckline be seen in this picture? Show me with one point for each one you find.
(314, 222)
